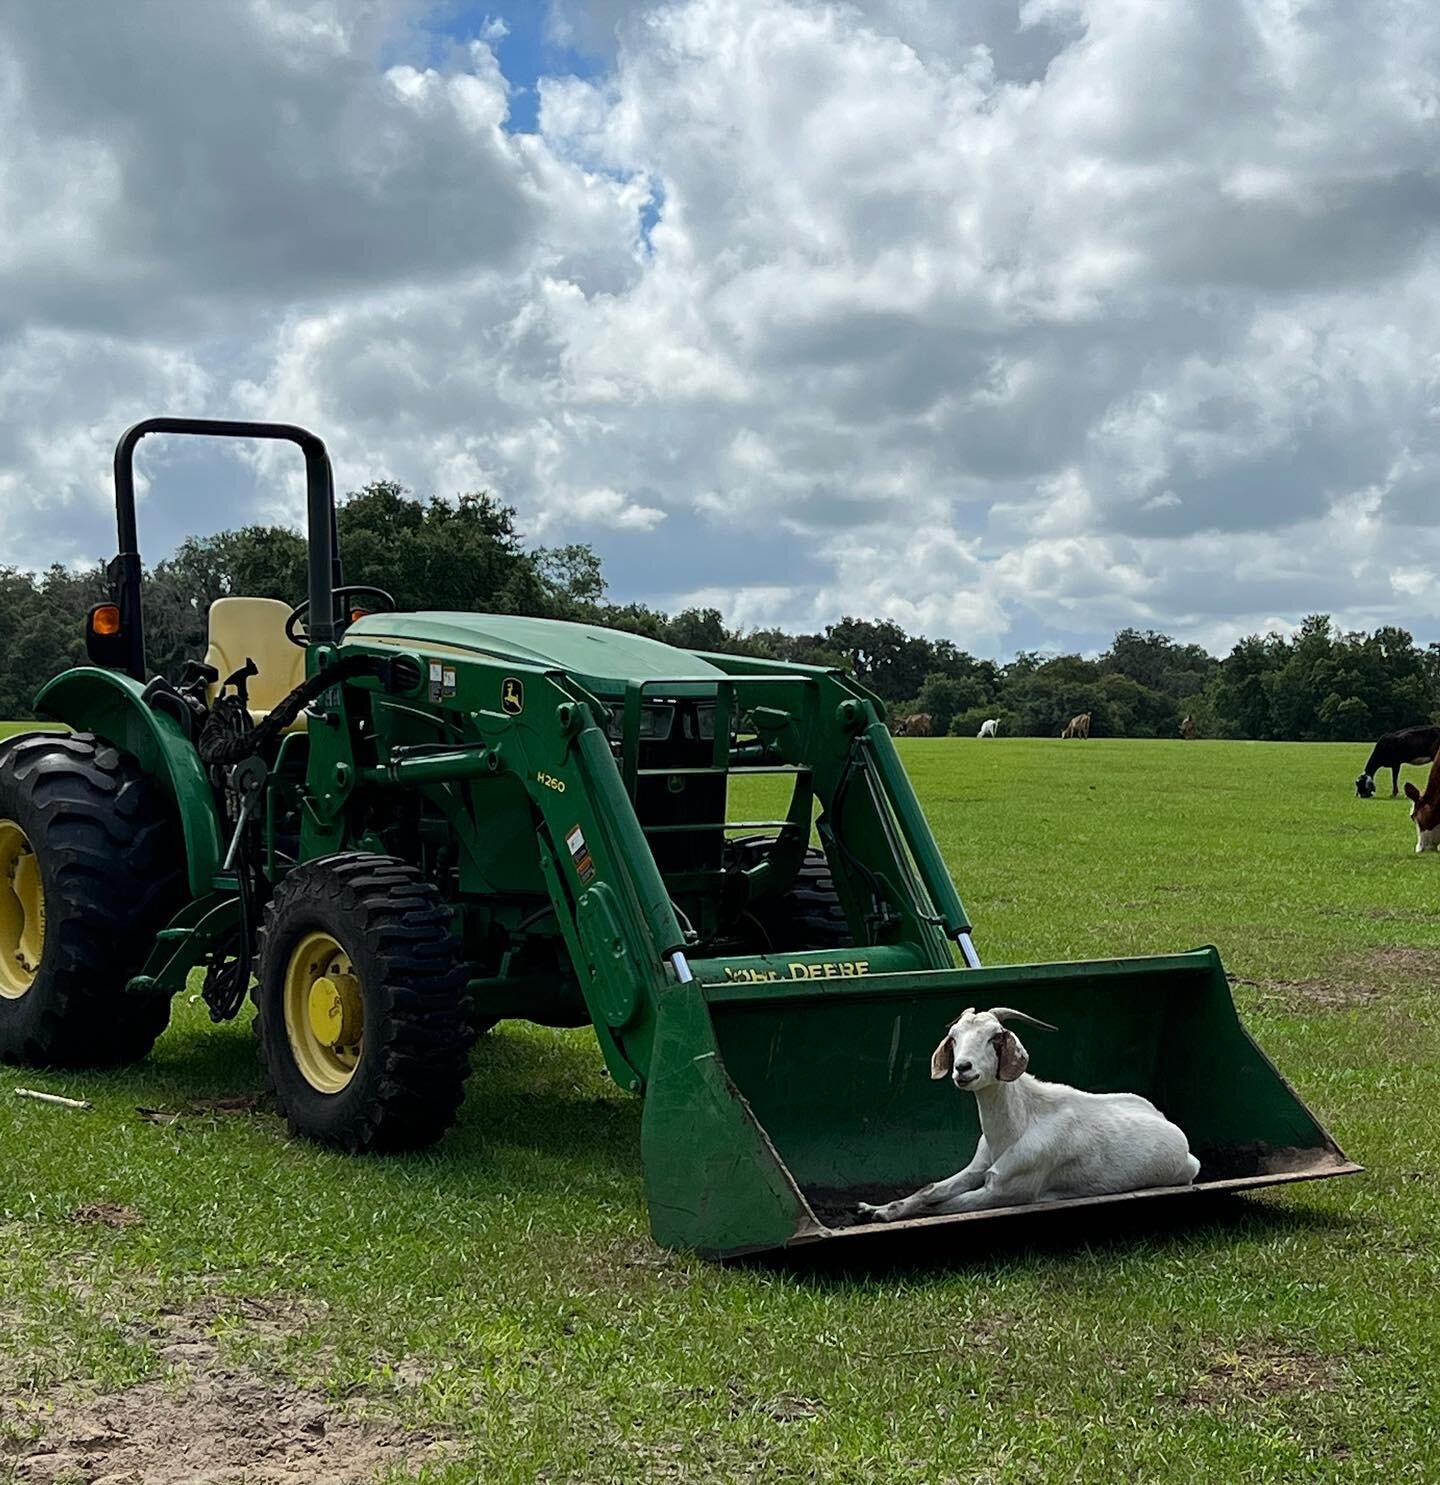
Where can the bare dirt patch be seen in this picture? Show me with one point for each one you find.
(783, 1407)
(220, 1108)
(1377, 978)
(633, 1262)
(214, 1422)
(1253, 1373)
(1312, 994)
(202, 1108)
(106, 1214)
(1404, 962)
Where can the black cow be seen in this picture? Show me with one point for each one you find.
(1415, 745)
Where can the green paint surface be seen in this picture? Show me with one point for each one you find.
(603, 659)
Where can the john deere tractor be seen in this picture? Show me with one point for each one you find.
(392, 830)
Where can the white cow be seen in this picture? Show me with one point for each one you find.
(989, 728)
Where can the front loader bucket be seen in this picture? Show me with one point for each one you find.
(775, 1106)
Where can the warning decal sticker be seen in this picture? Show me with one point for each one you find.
(580, 854)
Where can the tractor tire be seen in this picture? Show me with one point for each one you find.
(808, 915)
(91, 868)
(364, 1016)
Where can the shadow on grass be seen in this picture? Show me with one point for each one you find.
(200, 1063)
(536, 1112)
(532, 1098)
(1190, 1226)
(541, 1095)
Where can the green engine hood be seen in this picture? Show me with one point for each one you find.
(601, 659)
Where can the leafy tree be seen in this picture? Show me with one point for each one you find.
(254, 562)
(41, 629)
(1127, 709)
(1049, 694)
(466, 554)
(439, 554)
(1241, 697)
(967, 723)
(956, 664)
(943, 696)
(698, 629)
(798, 649)
(635, 618)
(1157, 662)
(882, 656)
(573, 573)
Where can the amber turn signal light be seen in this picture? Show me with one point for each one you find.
(105, 619)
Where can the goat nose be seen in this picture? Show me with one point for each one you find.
(964, 1067)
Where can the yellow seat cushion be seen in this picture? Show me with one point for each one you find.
(254, 629)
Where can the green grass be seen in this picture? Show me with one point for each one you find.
(502, 1289)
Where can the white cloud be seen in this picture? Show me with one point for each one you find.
(600, 507)
(1002, 320)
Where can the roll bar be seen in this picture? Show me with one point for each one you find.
(323, 544)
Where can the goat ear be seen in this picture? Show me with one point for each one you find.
(942, 1059)
(1010, 1055)
(1411, 792)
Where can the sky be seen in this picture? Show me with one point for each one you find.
(1014, 321)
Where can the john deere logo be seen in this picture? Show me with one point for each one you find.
(512, 696)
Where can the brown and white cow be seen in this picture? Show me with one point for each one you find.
(1078, 726)
(1425, 810)
(1188, 730)
(917, 725)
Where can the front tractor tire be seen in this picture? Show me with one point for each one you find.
(91, 868)
(362, 1002)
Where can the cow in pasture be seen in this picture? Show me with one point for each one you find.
(1425, 810)
(917, 725)
(1077, 726)
(989, 728)
(1414, 745)
(1188, 730)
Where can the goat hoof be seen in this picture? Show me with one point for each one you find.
(873, 1213)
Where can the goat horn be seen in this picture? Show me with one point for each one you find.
(1004, 1013)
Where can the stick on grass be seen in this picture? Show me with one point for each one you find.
(67, 1103)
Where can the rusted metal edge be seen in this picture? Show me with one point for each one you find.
(1319, 1172)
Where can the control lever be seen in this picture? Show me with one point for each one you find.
(247, 780)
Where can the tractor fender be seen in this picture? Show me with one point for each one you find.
(109, 704)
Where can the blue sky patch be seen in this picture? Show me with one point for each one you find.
(525, 49)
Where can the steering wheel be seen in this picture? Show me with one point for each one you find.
(346, 590)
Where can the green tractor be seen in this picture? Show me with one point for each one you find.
(394, 829)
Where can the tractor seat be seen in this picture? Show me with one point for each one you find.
(254, 628)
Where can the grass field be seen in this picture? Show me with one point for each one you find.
(501, 1297)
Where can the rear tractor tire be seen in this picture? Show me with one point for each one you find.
(807, 915)
(91, 868)
(363, 1010)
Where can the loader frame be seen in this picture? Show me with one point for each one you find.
(567, 791)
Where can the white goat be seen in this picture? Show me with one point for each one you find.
(989, 728)
(1040, 1141)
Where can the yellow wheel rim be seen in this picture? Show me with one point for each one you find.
(22, 912)
(324, 1012)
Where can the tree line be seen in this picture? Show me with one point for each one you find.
(1320, 684)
